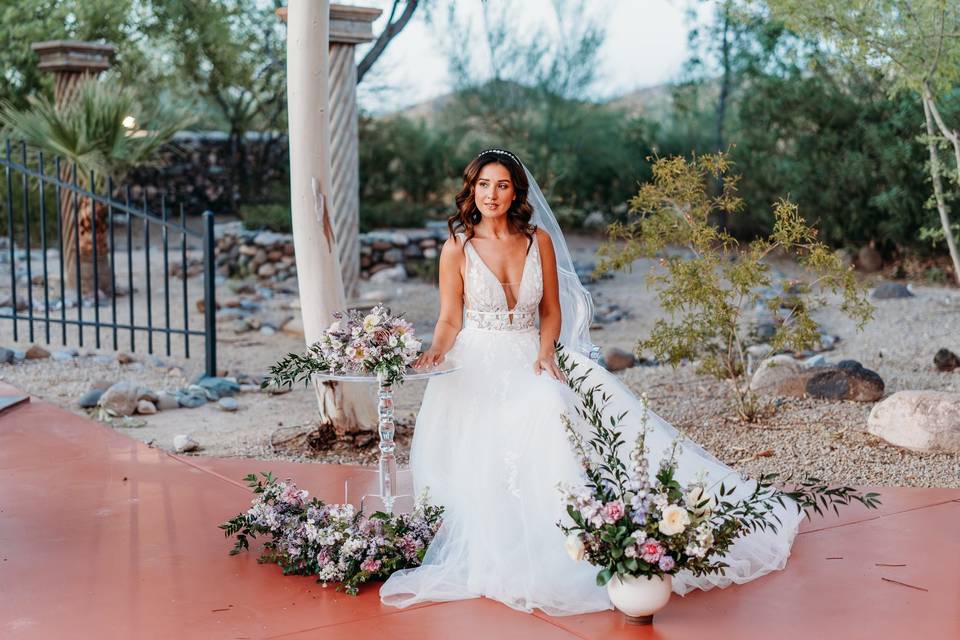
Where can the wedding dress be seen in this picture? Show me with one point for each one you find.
(490, 446)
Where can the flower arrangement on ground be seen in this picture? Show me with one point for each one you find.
(334, 542)
(628, 523)
(357, 342)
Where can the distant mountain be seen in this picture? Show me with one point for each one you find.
(651, 102)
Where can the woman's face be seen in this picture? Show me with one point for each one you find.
(493, 192)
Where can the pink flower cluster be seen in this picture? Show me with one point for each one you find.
(334, 541)
(363, 343)
(627, 519)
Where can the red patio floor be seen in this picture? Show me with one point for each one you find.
(104, 537)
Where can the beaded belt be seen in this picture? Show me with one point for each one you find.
(499, 320)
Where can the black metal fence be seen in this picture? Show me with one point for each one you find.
(109, 232)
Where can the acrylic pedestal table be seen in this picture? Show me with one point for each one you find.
(386, 476)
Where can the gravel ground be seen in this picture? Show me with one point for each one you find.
(802, 437)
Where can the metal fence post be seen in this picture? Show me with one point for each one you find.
(209, 293)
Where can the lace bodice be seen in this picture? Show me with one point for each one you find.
(485, 301)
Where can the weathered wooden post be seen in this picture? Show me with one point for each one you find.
(349, 26)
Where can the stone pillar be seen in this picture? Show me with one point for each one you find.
(71, 61)
(349, 26)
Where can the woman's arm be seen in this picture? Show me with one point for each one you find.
(550, 314)
(451, 304)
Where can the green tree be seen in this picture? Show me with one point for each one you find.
(232, 56)
(23, 23)
(527, 90)
(917, 44)
(841, 146)
(406, 172)
(708, 290)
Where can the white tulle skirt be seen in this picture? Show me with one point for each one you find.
(490, 446)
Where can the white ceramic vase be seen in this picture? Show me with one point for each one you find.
(640, 598)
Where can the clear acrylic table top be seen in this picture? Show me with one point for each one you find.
(411, 374)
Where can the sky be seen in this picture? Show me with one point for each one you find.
(646, 45)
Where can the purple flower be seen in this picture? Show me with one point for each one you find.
(666, 563)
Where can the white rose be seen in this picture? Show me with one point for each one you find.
(371, 321)
(575, 547)
(673, 520)
(334, 327)
(695, 497)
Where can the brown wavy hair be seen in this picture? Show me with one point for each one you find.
(520, 212)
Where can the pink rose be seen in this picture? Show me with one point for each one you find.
(651, 550)
(292, 495)
(370, 564)
(613, 511)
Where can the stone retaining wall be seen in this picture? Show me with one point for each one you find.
(384, 255)
(198, 170)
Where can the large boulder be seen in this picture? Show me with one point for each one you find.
(618, 359)
(849, 380)
(891, 291)
(782, 375)
(779, 375)
(918, 420)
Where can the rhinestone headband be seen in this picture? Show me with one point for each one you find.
(504, 152)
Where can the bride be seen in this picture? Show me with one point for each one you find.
(489, 441)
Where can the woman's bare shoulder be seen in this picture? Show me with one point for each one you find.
(452, 248)
(544, 240)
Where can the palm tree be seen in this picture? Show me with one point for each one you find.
(89, 132)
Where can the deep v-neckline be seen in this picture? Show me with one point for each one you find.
(503, 290)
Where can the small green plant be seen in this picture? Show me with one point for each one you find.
(708, 289)
(274, 216)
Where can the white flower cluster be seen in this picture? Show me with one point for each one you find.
(367, 343)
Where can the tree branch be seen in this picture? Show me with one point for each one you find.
(388, 34)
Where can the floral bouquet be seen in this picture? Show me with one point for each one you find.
(356, 342)
(331, 541)
(630, 524)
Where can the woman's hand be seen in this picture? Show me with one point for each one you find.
(430, 357)
(548, 363)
